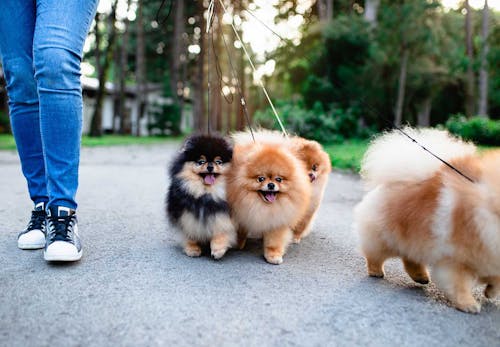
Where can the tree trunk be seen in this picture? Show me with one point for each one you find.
(123, 114)
(469, 81)
(329, 10)
(199, 79)
(178, 57)
(140, 68)
(116, 92)
(321, 8)
(483, 72)
(216, 84)
(96, 122)
(401, 88)
(240, 115)
(424, 114)
(371, 10)
(179, 29)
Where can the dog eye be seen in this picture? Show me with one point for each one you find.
(315, 167)
(261, 178)
(279, 179)
(201, 162)
(218, 162)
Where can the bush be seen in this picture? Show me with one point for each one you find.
(332, 126)
(165, 119)
(480, 130)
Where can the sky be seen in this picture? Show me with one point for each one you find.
(495, 4)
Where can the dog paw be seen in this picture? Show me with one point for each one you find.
(421, 278)
(473, 307)
(274, 259)
(242, 243)
(376, 273)
(296, 240)
(491, 291)
(218, 253)
(192, 252)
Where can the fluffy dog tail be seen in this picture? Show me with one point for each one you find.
(392, 157)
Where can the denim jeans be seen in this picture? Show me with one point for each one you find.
(41, 46)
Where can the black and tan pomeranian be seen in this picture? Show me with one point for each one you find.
(196, 199)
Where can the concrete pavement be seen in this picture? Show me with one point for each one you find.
(134, 287)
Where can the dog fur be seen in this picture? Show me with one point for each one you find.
(319, 167)
(268, 191)
(196, 202)
(425, 213)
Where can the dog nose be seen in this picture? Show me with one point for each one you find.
(270, 186)
(210, 168)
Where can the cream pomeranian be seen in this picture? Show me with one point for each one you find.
(268, 191)
(422, 211)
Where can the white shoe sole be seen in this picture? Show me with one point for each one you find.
(62, 257)
(22, 245)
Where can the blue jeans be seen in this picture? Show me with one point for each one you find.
(41, 46)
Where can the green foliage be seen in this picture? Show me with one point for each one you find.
(330, 126)
(165, 119)
(337, 67)
(349, 64)
(347, 155)
(477, 129)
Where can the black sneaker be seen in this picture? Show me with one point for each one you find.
(33, 237)
(63, 242)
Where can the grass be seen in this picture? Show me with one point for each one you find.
(114, 140)
(7, 141)
(347, 155)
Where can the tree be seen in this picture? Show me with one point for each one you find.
(122, 72)
(482, 108)
(469, 79)
(140, 73)
(178, 53)
(198, 81)
(103, 67)
(325, 9)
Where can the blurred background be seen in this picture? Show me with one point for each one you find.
(336, 70)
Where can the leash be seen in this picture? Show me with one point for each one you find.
(255, 70)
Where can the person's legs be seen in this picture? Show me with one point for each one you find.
(17, 24)
(60, 31)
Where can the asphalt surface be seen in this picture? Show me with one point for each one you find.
(135, 287)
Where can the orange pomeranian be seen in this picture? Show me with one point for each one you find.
(319, 167)
(268, 191)
(427, 214)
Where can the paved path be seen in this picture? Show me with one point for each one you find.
(134, 287)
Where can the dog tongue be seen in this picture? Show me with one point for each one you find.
(209, 179)
(270, 197)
